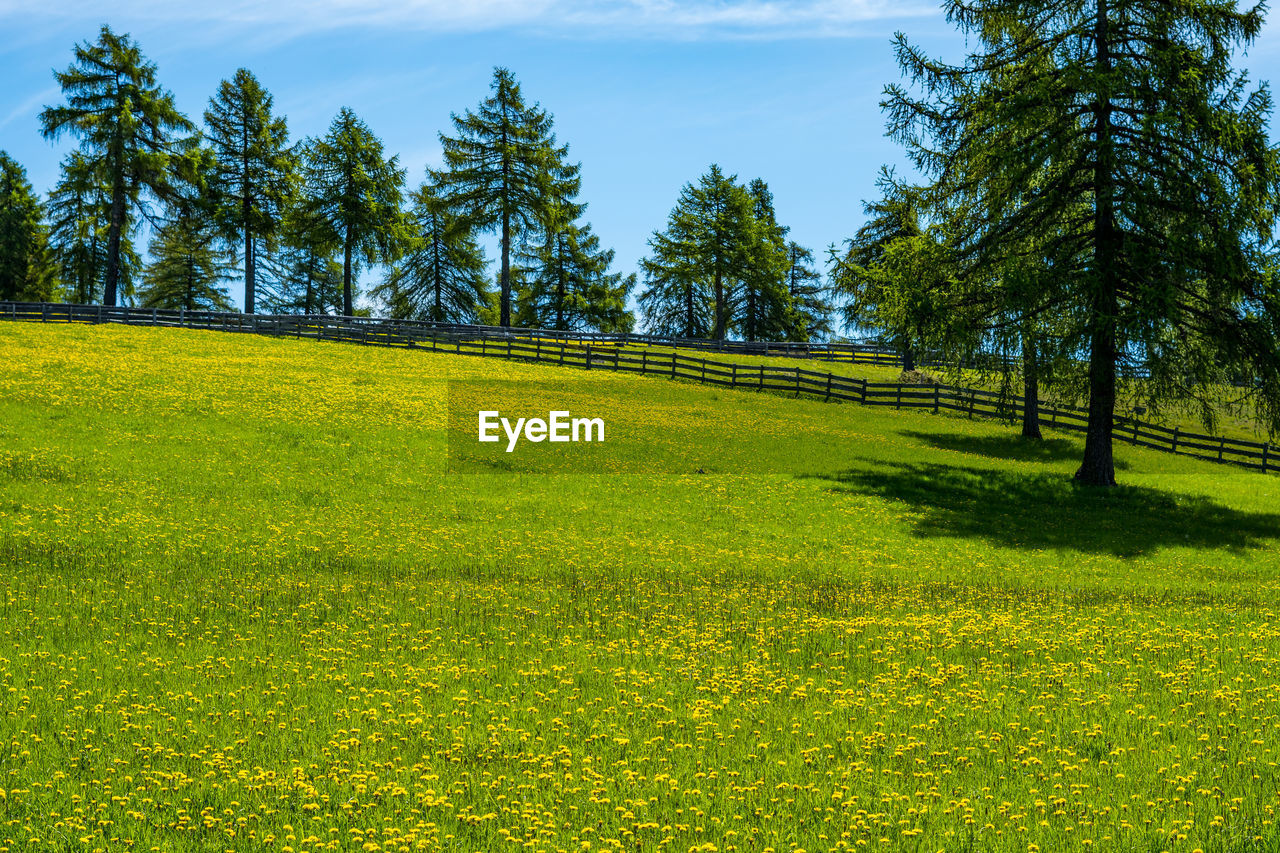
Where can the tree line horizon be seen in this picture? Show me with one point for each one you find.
(1096, 187)
(299, 222)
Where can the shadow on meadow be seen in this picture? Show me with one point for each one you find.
(1048, 510)
(1013, 447)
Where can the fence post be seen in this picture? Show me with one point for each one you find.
(704, 371)
(644, 362)
(760, 384)
(1265, 452)
(44, 312)
(864, 392)
(935, 399)
(897, 404)
(1174, 449)
(1135, 431)
(828, 397)
(733, 380)
(797, 382)
(1222, 445)
(673, 364)
(588, 358)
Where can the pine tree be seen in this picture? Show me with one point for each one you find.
(126, 125)
(883, 277)
(442, 274)
(499, 170)
(1158, 209)
(808, 294)
(699, 261)
(253, 178)
(27, 273)
(302, 278)
(565, 283)
(568, 286)
(79, 212)
(676, 301)
(304, 274)
(763, 309)
(187, 268)
(351, 195)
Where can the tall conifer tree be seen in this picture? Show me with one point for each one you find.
(499, 170)
(26, 270)
(700, 260)
(252, 180)
(79, 212)
(763, 309)
(442, 276)
(187, 268)
(129, 129)
(808, 294)
(568, 286)
(1160, 203)
(351, 197)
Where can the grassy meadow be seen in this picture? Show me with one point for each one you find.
(256, 596)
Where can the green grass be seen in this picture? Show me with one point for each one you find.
(259, 593)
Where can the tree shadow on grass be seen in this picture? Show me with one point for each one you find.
(1033, 511)
(1007, 446)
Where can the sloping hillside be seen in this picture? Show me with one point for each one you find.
(272, 592)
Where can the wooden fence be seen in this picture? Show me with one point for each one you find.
(591, 355)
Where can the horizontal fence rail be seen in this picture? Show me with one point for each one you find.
(588, 353)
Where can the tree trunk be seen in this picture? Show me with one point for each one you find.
(249, 272)
(505, 320)
(347, 309)
(89, 277)
(437, 273)
(114, 232)
(908, 354)
(309, 300)
(1030, 386)
(751, 314)
(1098, 466)
(688, 310)
(718, 332)
(560, 288)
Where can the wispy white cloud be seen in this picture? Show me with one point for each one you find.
(29, 107)
(659, 19)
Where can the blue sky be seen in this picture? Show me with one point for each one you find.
(647, 93)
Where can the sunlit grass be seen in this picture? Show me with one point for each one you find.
(250, 603)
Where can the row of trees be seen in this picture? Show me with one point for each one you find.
(1099, 192)
(300, 221)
